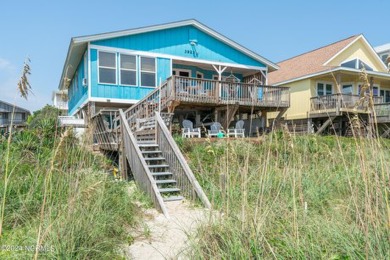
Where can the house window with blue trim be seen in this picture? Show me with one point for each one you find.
(107, 67)
(386, 95)
(324, 89)
(148, 72)
(347, 89)
(128, 67)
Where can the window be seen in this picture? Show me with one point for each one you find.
(324, 89)
(199, 75)
(386, 95)
(128, 67)
(148, 72)
(347, 89)
(356, 64)
(384, 58)
(181, 73)
(85, 66)
(375, 90)
(107, 68)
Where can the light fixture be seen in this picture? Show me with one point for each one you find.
(193, 42)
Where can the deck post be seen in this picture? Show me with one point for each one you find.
(122, 156)
(219, 70)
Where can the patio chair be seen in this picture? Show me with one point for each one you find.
(188, 129)
(238, 130)
(215, 130)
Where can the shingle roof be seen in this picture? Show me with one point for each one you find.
(308, 63)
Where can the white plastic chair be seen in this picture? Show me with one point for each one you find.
(188, 130)
(238, 130)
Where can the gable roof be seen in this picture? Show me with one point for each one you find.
(311, 62)
(78, 45)
(9, 108)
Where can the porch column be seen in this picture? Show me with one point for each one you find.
(338, 84)
(371, 85)
(219, 70)
(265, 73)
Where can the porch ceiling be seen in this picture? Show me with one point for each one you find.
(205, 66)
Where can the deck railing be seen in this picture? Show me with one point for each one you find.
(339, 101)
(138, 165)
(182, 173)
(106, 136)
(223, 92)
(204, 91)
(13, 121)
(382, 112)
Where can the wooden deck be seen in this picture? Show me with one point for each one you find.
(339, 104)
(216, 93)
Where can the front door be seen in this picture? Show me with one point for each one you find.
(182, 83)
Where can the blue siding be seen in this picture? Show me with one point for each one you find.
(163, 69)
(77, 93)
(176, 41)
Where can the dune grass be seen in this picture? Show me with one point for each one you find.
(294, 197)
(60, 201)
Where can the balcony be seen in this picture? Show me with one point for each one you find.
(337, 103)
(16, 122)
(213, 92)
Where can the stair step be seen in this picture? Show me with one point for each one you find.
(154, 158)
(159, 166)
(173, 198)
(151, 152)
(163, 190)
(157, 174)
(165, 181)
(147, 144)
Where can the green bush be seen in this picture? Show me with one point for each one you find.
(62, 193)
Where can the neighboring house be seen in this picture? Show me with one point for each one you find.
(326, 85)
(207, 70)
(384, 53)
(60, 100)
(10, 114)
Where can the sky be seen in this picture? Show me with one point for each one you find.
(41, 30)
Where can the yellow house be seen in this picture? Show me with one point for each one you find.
(331, 84)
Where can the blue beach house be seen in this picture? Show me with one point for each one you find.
(203, 75)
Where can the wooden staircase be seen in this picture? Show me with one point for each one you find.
(159, 168)
(156, 163)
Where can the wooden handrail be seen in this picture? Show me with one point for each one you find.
(340, 100)
(140, 169)
(181, 171)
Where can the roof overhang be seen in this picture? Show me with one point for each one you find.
(334, 70)
(78, 45)
(382, 48)
(369, 47)
(15, 108)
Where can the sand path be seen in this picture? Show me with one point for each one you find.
(167, 238)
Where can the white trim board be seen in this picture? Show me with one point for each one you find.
(114, 100)
(373, 73)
